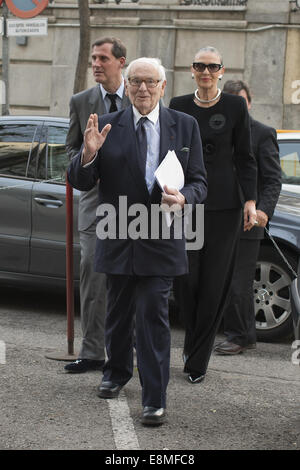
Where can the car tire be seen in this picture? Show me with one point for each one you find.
(272, 296)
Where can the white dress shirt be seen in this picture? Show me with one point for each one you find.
(119, 93)
(153, 142)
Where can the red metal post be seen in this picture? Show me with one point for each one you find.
(69, 267)
(70, 355)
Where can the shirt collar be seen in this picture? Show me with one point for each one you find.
(119, 92)
(153, 116)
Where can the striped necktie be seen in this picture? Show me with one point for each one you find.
(142, 142)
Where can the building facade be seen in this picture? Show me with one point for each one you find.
(259, 41)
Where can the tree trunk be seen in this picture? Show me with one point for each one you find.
(4, 85)
(80, 81)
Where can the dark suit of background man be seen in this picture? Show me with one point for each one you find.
(108, 60)
(140, 271)
(239, 316)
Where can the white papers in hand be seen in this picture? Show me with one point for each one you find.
(170, 173)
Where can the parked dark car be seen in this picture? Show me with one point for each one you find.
(272, 296)
(33, 163)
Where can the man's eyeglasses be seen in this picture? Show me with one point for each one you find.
(200, 67)
(149, 82)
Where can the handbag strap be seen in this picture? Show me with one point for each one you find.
(280, 253)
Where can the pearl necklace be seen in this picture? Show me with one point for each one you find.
(207, 101)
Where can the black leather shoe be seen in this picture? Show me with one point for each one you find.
(83, 365)
(196, 379)
(153, 416)
(109, 390)
(229, 349)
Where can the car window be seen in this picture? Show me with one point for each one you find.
(17, 143)
(290, 161)
(53, 159)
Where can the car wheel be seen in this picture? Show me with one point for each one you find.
(272, 297)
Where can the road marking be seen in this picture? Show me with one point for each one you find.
(2, 352)
(122, 424)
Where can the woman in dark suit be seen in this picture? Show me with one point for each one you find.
(231, 173)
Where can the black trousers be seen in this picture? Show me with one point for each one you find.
(145, 299)
(202, 294)
(239, 316)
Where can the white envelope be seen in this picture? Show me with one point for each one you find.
(170, 173)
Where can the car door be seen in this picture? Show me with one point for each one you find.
(48, 238)
(289, 149)
(19, 142)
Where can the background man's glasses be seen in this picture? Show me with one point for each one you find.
(149, 82)
(200, 67)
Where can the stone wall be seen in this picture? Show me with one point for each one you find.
(260, 43)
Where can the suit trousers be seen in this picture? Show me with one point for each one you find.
(92, 299)
(239, 315)
(144, 298)
(202, 294)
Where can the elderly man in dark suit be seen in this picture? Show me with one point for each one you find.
(108, 60)
(124, 155)
(239, 316)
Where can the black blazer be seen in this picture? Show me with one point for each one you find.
(117, 166)
(225, 133)
(266, 151)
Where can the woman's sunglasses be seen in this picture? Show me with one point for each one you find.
(200, 67)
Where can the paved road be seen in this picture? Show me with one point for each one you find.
(250, 401)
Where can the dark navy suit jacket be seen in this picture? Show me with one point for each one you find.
(120, 173)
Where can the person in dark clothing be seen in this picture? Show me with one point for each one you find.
(139, 269)
(239, 315)
(231, 173)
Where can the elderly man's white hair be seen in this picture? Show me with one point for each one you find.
(147, 60)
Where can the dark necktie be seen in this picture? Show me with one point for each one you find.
(142, 142)
(113, 106)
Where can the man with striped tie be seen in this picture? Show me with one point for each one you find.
(123, 150)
